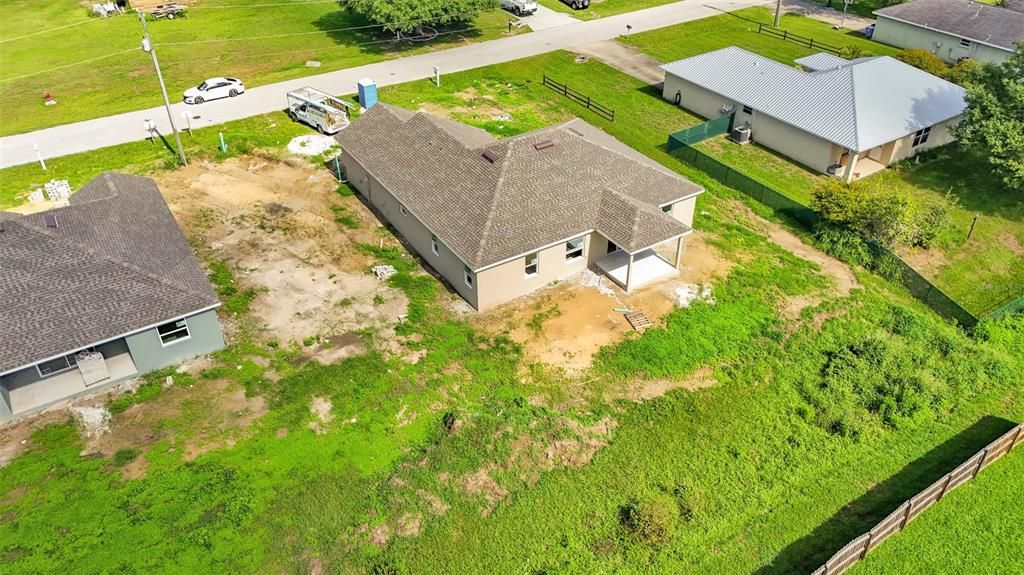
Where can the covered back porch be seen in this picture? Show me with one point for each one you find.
(632, 270)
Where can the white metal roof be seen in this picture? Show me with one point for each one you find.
(862, 105)
(822, 61)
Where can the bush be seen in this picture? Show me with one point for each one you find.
(843, 244)
(923, 60)
(125, 456)
(651, 521)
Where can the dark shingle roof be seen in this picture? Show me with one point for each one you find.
(527, 198)
(972, 20)
(116, 262)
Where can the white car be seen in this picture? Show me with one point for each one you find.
(214, 88)
(520, 7)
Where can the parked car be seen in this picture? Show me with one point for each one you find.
(520, 7)
(214, 88)
(577, 4)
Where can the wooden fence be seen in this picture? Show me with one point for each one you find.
(857, 549)
(791, 37)
(580, 98)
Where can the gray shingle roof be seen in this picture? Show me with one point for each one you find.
(865, 104)
(527, 198)
(116, 262)
(983, 23)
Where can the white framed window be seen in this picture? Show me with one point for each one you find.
(667, 209)
(434, 245)
(173, 332)
(467, 275)
(402, 209)
(921, 136)
(965, 42)
(748, 110)
(532, 266)
(573, 249)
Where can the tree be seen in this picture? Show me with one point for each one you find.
(993, 123)
(413, 15)
(884, 211)
(962, 72)
(923, 60)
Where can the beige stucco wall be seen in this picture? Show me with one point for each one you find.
(508, 280)
(411, 229)
(794, 143)
(694, 98)
(940, 135)
(945, 46)
(683, 211)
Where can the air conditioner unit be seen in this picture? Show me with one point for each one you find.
(741, 135)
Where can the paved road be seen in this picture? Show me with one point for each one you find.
(128, 127)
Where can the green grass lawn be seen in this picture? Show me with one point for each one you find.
(969, 531)
(601, 8)
(204, 48)
(815, 429)
(765, 166)
(740, 29)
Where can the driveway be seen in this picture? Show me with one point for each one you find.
(831, 15)
(128, 127)
(546, 18)
(625, 59)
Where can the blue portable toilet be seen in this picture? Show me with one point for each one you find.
(367, 93)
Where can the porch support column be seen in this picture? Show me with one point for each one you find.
(629, 274)
(679, 251)
(851, 164)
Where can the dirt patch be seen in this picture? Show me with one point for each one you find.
(646, 390)
(273, 224)
(481, 483)
(568, 444)
(380, 534)
(321, 409)
(408, 525)
(1012, 243)
(437, 505)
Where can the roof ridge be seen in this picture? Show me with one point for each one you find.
(485, 234)
(564, 126)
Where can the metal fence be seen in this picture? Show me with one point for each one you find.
(580, 98)
(857, 549)
(922, 289)
(791, 37)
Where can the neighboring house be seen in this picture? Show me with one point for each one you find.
(953, 29)
(501, 218)
(848, 118)
(103, 289)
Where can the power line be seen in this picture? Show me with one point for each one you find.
(68, 65)
(64, 27)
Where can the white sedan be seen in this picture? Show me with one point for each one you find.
(214, 88)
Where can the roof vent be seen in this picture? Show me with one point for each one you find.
(490, 156)
(1, 226)
(51, 220)
(543, 145)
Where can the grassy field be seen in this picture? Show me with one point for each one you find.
(601, 8)
(816, 428)
(203, 44)
(968, 532)
(740, 29)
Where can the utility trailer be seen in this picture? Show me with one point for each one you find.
(329, 115)
(169, 11)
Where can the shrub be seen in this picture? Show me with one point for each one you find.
(962, 72)
(125, 456)
(651, 521)
(923, 60)
(843, 244)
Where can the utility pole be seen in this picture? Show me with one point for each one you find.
(147, 46)
(778, 12)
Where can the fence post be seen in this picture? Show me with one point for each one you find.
(906, 515)
(981, 463)
(811, 45)
(588, 102)
(1016, 436)
(945, 486)
(867, 544)
(785, 34)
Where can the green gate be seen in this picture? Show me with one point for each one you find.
(699, 133)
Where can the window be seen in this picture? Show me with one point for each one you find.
(467, 275)
(612, 247)
(748, 110)
(433, 244)
(667, 209)
(401, 208)
(173, 332)
(57, 365)
(921, 136)
(965, 42)
(532, 265)
(573, 249)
